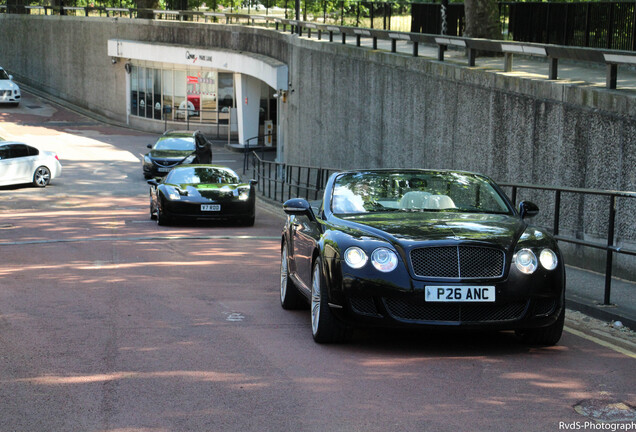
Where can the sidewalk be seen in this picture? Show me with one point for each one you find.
(585, 292)
(579, 73)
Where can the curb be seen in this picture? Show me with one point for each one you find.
(601, 312)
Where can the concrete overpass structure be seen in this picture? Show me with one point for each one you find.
(349, 107)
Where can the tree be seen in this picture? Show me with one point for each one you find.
(482, 19)
(145, 8)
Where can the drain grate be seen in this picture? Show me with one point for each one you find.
(604, 410)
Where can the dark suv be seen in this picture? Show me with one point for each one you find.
(175, 148)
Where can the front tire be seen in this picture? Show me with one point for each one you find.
(162, 219)
(544, 336)
(41, 176)
(153, 215)
(249, 221)
(290, 298)
(325, 327)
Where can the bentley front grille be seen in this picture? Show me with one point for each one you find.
(458, 262)
(454, 312)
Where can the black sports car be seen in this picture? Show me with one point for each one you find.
(202, 192)
(175, 148)
(424, 249)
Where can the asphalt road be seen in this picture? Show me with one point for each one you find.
(111, 323)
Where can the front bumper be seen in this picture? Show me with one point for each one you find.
(9, 96)
(230, 210)
(520, 303)
(152, 170)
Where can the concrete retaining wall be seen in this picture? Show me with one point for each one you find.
(353, 108)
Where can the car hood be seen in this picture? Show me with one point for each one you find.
(8, 85)
(169, 154)
(417, 227)
(210, 191)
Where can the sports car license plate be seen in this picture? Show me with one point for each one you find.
(460, 293)
(210, 207)
(162, 169)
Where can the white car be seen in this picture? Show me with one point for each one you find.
(9, 91)
(21, 163)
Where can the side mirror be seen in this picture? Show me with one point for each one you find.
(253, 182)
(298, 207)
(149, 146)
(528, 209)
(153, 182)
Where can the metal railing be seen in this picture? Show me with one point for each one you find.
(280, 182)
(552, 53)
(609, 246)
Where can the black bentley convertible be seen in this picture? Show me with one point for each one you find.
(420, 248)
(202, 192)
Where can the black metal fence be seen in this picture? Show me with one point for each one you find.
(280, 182)
(610, 25)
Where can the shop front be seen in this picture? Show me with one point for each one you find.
(223, 93)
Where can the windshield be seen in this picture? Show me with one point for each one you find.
(413, 191)
(178, 144)
(3, 75)
(205, 175)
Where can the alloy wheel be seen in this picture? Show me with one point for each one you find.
(42, 176)
(283, 274)
(315, 300)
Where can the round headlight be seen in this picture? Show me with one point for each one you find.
(355, 257)
(384, 259)
(548, 259)
(526, 261)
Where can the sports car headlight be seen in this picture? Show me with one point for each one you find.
(173, 194)
(147, 159)
(243, 194)
(189, 159)
(548, 259)
(384, 259)
(355, 257)
(526, 261)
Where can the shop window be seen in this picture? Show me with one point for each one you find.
(207, 83)
(167, 94)
(134, 91)
(149, 93)
(179, 95)
(157, 94)
(141, 79)
(225, 96)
